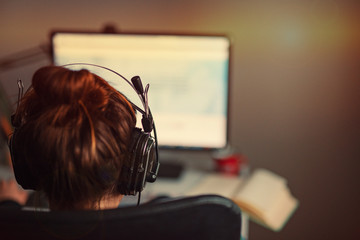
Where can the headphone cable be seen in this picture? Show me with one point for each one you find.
(139, 196)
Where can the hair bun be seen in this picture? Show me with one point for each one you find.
(58, 85)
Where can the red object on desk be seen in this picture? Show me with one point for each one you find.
(230, 164)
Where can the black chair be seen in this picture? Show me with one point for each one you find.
(198, 217)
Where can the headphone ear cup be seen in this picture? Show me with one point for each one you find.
(142, 158)
(22, 172)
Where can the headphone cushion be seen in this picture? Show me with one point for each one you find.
(22, 172)
(134, 175)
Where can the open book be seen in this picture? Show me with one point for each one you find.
(264, 196)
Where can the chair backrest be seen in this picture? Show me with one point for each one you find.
(198, 217)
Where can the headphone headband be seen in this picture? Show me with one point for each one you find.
(136, 85)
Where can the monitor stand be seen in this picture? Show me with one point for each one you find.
(170, 170)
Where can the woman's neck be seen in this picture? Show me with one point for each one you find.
(107, 202)
(111, 202)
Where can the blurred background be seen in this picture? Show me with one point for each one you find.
(295, 87)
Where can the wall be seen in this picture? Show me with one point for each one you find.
(294, 96)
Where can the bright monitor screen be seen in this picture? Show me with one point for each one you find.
(188, 77)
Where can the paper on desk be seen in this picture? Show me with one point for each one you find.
(223, 185)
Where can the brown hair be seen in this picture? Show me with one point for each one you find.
(74, 131)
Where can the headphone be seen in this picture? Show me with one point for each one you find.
(144, 160)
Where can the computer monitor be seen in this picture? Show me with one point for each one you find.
(188, 75)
